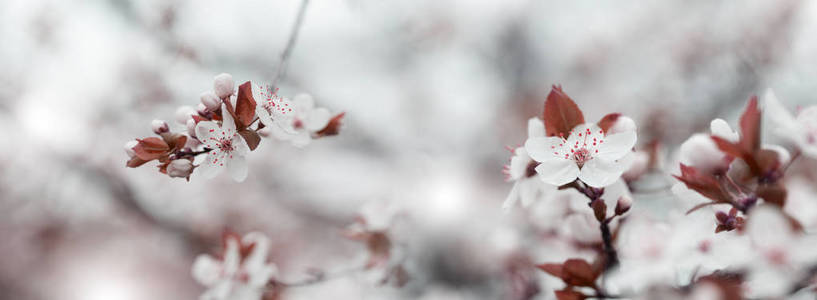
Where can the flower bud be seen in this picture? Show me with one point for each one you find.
(623, 124)
(210, 101)
(180, 168)
(201, 109)
(701, 152)
(223, 85)
(129, 148)
(623, 204)
(159, 126)
(183, 114)
(191, 128)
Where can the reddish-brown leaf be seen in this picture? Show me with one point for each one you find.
(135, 162)
(552, 269)
(244, 105)
(150, 148)
(333, 127)
(772, 193)
(251, 137)
(599, 210)
(578, 272)
(569, 295)
(608, 121)
(703, 183)
(750, 127)
(561, 113)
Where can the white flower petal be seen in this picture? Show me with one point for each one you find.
(207, 132)
(240, 147)
(513, 196)
(303, 102)
(600, 173)
(558, 171)
(232, 257)
(228, 124)
(616, 146)
(721, 129)
(238, 168)
(528, 190)
(211, 167)
(206, 270)
(519, 163)
(264, 115)
(542, 148)
(317, 119)
(536, 128)
(577, 135)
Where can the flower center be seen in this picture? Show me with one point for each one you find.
(273, 103)
(581, 156)
(225, 145)
(298, 124)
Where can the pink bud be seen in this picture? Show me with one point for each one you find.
(159, 126)
(210, 100)
(129, 148)
(180, 168)
(191, 128)
(223, 85)
(623, 204)
(183, 114)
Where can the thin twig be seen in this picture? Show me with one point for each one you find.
(293, 36)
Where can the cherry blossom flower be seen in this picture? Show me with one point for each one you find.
(801, 130)
(241, 273)
(521, 171)
(295, 121)
(587, 154)
(701, 152)
(227, 148)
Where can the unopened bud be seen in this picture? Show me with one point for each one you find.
(623, 124)
(159, 126)
(210, 101)
(183, 114)
(180, 168)
(201, 109)
(129, 148)
(191, 128)
(623, 205)
(223, 85)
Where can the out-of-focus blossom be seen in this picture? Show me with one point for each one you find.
(240, 273)
(801, 130)
(700, 151)
(526, 188)
(228, 148)
(184, 113)
(587, 154)
(129, 148)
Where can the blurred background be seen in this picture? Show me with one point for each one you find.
(433, 91)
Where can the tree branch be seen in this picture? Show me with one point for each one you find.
(293, 36)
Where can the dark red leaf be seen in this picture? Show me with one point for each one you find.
(608, 121)
(561, 113)
(244, 105)
(599, 210)
(251, 137)
(333, 127)
(703, 183)
(150, 148)
(750, 127)
(552, 269)
(578, 272)
(569, 295)
(772, 193)
(135, 162)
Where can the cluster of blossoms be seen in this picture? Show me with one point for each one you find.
(228, 124)
(736, 236)
(242, 270)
